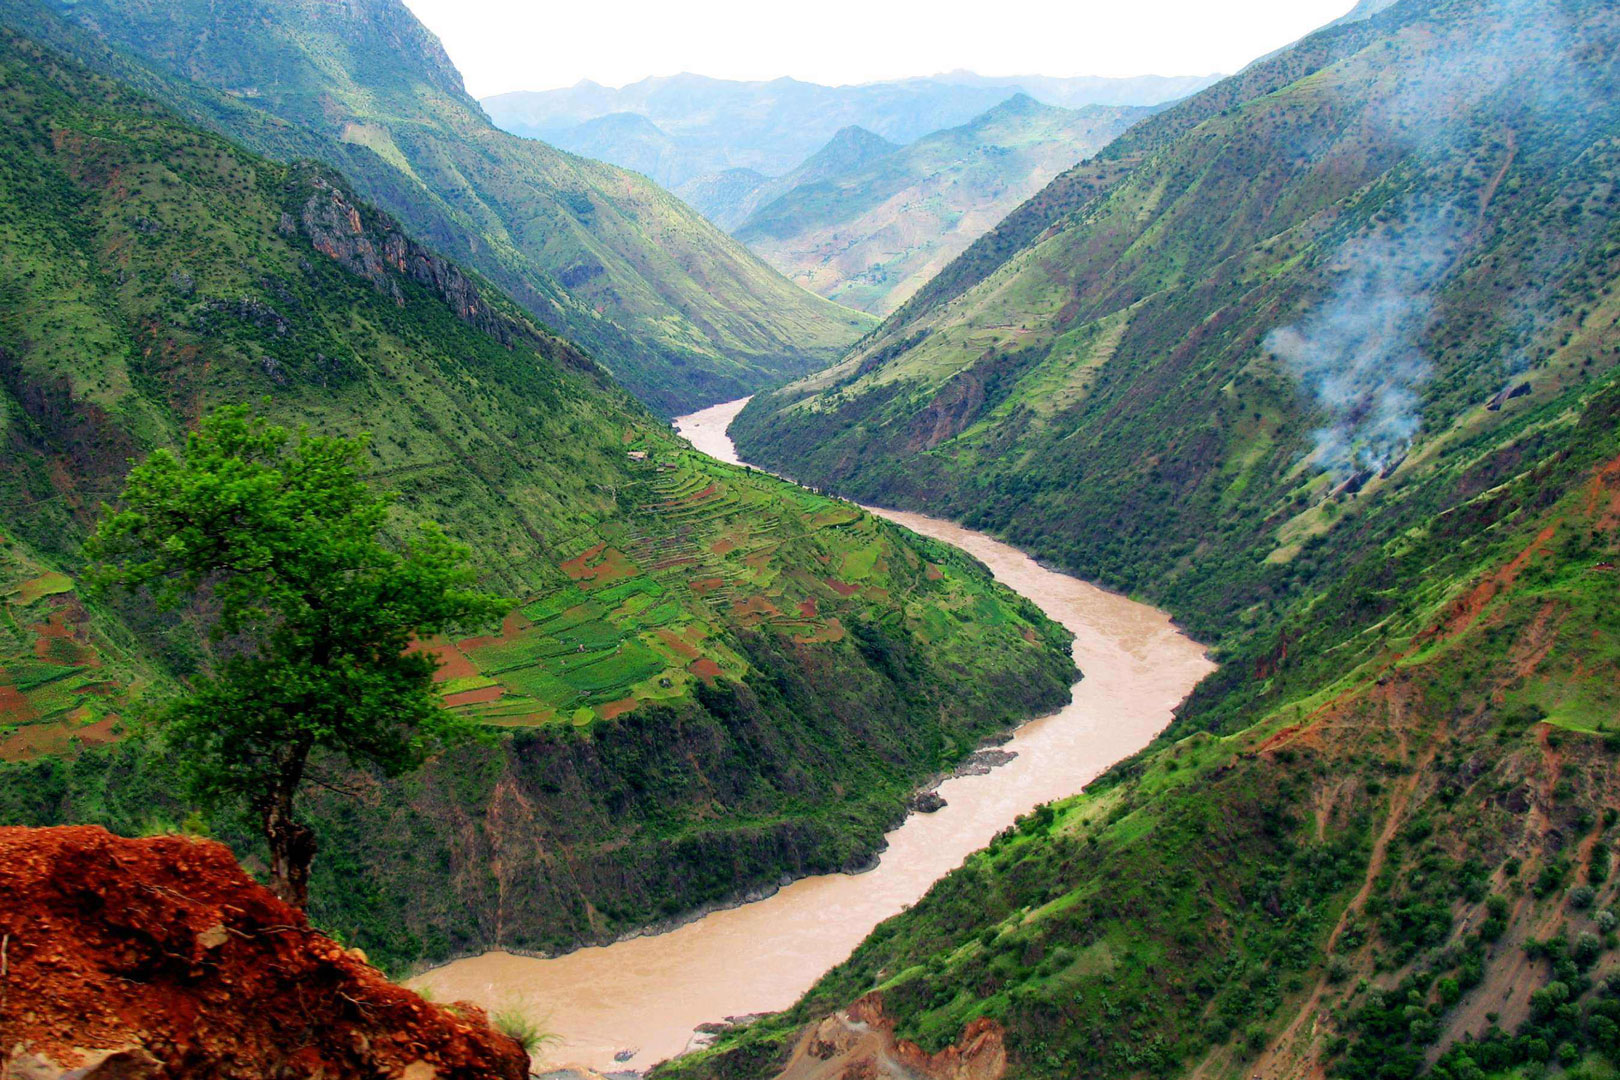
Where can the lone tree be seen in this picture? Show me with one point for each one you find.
(275, 544)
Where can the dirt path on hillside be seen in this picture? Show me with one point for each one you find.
(1288, 1054)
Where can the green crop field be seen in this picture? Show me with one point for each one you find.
(702, 545)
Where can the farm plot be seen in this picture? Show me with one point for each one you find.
(643, 603)
(57, 674)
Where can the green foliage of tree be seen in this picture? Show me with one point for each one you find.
(277, 545)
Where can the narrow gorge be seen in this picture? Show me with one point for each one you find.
(638, 1002)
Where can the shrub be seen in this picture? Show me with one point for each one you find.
(1551, 878)
(514, 1022)
(1587, 948)
(1544, 1002)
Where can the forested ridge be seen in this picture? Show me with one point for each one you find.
(681, 314)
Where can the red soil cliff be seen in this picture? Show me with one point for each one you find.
(858, 1043)
(159, 958)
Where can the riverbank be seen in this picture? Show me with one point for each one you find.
(633, 1003)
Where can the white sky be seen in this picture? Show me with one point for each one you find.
(539, 44)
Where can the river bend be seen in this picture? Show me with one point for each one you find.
(647, 994)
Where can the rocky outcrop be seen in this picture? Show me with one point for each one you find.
(950, 412)
(858, 1043)
(372, 246)
(928, 802)
(159, 958)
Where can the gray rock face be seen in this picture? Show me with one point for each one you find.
(981, 762)
(128, 1063)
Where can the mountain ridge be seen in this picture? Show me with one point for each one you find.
(869, 236)
(729, 199)
(680, 312)
(773, 126)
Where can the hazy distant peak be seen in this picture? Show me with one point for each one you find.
(682, 79)
(1079, 90)
(1019, 104)
(1364, 9)
(625, 122)
(850, 148)
(855, 135)
(1019, 111)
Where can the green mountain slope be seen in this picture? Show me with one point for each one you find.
(1401, 866)
(1325, 360)
(1116, 388)
(712, 679)
(715, 195)
(730, 198)
(680, 313)
(627, 140)
(871, 235)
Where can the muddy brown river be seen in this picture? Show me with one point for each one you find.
(646, 995)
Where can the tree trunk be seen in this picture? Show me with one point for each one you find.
(292, 844)
(292, 849)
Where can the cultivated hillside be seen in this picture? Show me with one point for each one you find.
(1325, 360)
(680, 313)
(870, 235)
(711, 678)
(1304, 283)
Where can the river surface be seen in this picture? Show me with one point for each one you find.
(647, 994)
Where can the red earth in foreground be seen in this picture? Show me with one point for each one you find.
(156, 958)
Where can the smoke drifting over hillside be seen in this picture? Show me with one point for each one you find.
(1358, 355)
(1359, 352)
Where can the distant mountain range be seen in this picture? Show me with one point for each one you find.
(867, 223)
(679, 128)
(730, 198)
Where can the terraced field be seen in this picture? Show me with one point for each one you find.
(641, 610)
(700, 546)
(59, 679)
